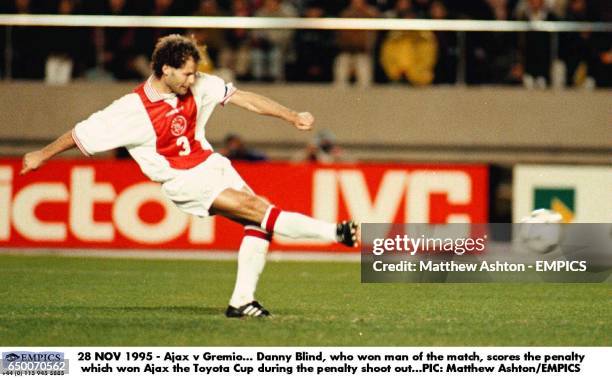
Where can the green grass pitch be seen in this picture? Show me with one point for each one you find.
(59, 301)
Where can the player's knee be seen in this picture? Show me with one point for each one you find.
(253, 207)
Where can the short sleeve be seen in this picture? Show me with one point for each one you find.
(214, 89)
(121, 124)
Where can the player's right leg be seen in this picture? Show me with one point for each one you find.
(248, 209)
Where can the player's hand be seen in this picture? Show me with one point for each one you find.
(304, 121)
(32, 161)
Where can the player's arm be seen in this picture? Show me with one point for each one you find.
(266, 106)
(35, 159)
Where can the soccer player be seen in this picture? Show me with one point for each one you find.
(162, 124)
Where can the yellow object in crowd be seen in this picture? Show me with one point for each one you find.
(412, 54)
(206, 64)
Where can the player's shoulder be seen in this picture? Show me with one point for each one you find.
(211, 87)
(129, 104)
(207, 81)
(127, 100)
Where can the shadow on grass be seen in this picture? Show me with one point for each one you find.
(182, 310)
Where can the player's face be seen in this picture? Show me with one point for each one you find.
(179, 80)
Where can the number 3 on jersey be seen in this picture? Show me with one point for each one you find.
(183, 142)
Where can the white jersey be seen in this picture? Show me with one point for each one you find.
(164, 133)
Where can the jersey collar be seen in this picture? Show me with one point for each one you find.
(153, 95)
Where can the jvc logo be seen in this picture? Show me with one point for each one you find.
(413, 187)
(397, 187)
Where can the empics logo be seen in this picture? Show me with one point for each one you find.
(44, 363)
(561, 200)
(11, 357)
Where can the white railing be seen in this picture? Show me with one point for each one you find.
(190, 22)
(299, 23)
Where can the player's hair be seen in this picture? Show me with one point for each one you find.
(173, 50)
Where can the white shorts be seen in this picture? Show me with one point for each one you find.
(194, 190)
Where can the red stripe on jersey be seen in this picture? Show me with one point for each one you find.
(175, 130)
(226, 98)
(78, 143)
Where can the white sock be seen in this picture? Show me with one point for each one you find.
(251, 262)
(297, 226)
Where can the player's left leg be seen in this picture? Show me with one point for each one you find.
(247, 208)
(251, 262)
(238, 202)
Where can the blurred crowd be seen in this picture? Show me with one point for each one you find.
(345, 58)
(322, 149)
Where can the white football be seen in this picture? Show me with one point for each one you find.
(540, 232)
